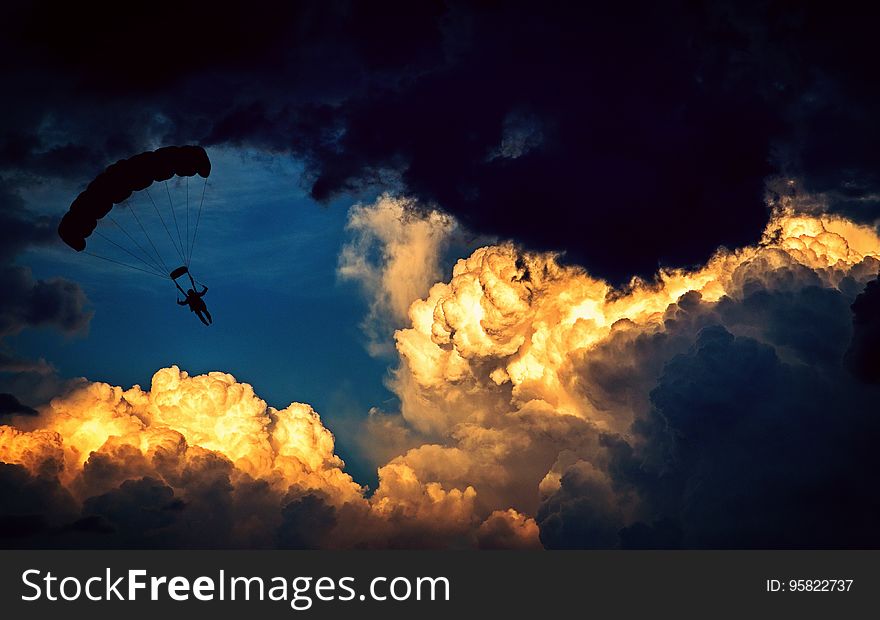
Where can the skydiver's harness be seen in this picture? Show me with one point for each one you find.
(176, 274)
(179, 288)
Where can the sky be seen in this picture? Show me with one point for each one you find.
(481, 275)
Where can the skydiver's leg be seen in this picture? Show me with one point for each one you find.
(201, 317)
(208, 314)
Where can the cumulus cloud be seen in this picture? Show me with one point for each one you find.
(201, 461)
(394, 256)
(688, 410)
(508, 529)
(539, 406)
(182, 464)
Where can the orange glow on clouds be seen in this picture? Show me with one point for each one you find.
(491, 414)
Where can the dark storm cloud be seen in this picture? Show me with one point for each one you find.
(32, 506)
(863, 355)
(788, 465)
(306, 523)
(10, 405)
(749, 430)
(28, 302)
(584, 513)
(90, 85)
(138, 510)
(34, 382)
(125, 500)
(573, 128)
(20, 228)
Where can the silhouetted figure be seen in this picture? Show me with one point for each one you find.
(197, 304)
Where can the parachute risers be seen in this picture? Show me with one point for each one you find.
(181, 271)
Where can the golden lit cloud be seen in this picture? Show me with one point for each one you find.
(507, 399)
(491, 373)
(394, 255)
(182, 413)
(507, 323)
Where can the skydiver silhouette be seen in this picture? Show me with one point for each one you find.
(196, 304)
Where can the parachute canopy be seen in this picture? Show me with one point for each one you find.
(119, 180)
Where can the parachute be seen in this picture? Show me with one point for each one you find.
(103, 197)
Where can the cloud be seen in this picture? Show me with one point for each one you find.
(743, 449)
(33, 507)
(583, 512)
(19, 228)
(394, 256)
(192, 450)
(201, 461)
(539, 405)
(863, 355)
(9, 404)
(700, 409)
(508, 529)
(28, 302)
(34, 382)
(577, 144)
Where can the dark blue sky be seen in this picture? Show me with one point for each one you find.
(268, 253)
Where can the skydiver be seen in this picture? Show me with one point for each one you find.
(197, 304)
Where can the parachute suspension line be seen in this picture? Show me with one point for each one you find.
(127, 251)
(110, 260)
(198, 219)
(147, 255)
(187, 223)
(147, 235)
(162, 219)
(174, 215)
